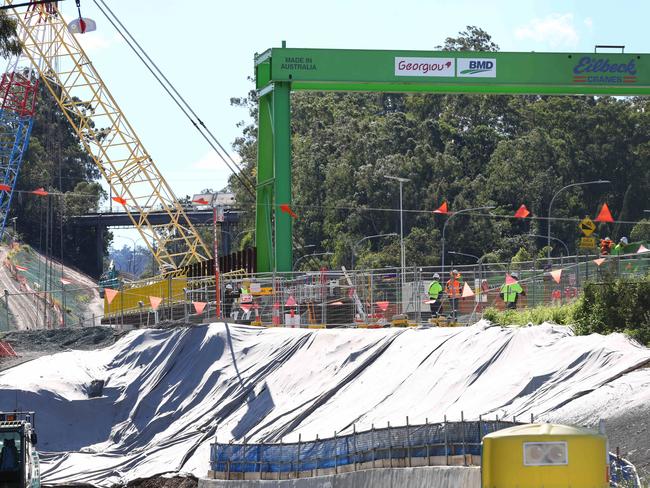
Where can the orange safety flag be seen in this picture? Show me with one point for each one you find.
(199, 307)
(65, 282)
(556, 275)
(246, 307)
(201, 201)
(119, 200)
(155, 302)
(383, 306)
(642, 249)
(110, 294)
(291, 302)
(599, 261)
(285, 208)
(40, 192)
(442, 209)
(605, 215)
(467, 291)
(510, 280)
(21, 268)
(5, 187)
(337, 303)
(522, 213)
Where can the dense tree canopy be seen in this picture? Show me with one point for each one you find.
(469, 150)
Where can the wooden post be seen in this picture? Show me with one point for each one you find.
(374, 447)
(446, 446)
(390, 447)
(408, 440)
(428, 442)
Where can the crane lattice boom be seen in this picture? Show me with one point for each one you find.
(108, 137)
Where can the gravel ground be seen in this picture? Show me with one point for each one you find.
(31, 344)
(630, 432)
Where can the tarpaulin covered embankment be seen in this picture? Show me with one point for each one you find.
(168, 393)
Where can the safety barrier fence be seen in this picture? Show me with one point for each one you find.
(442, 443)
(364, 298)
(430, 444)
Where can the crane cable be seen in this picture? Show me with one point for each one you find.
(178, 99)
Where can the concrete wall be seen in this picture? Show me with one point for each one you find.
(424, 477)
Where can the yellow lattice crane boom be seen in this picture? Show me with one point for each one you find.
(106, 134)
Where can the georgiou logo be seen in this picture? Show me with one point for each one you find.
(477, 68)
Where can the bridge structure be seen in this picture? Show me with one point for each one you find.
(100, 221)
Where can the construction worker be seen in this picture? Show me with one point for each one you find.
(606, 246)
(228, 300)
(435, 292)
(453, 291)
(620, 247)
(510, 293)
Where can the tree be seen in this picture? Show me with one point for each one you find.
(9, 44)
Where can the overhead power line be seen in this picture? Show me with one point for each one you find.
(178, 99)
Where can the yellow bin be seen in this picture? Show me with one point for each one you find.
(544, 455)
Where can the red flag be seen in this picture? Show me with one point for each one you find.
(467, 291)
(510, 280)
(285, 208)
(155, 302)
(442, 209)
(110, 294)
(4, 187)
(599, 261)
(119, 200)
(605, 215)
(199, 307)
(65, 282)
(40, 192)
(522, 213)
(21, 268)
(291, 302)
(557, 275)
(201, 201)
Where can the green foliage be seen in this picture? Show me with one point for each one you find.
(616, 306)
(9, 44)
(561, 315)
(468, 150)
(641, 231)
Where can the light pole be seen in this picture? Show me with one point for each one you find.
(444, 229)
(550, 205)
(401, 218)
(310, 255)
(566, 248)
(464, 254)
(356, 244)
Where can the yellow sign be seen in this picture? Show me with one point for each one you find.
(587, 242)
(587, 226)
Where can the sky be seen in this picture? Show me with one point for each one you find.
(206, 48)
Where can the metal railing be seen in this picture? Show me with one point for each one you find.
(366, 298)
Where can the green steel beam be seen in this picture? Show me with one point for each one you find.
(281, 70)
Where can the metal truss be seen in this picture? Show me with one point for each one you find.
(107, 136)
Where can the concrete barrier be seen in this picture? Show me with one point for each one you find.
(423, 477)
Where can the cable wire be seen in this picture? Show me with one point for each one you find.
(176, 97)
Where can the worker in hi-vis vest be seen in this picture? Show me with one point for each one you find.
(510, 293)
(435, 295)
(453, 291)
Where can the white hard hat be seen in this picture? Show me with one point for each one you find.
(514, 275)
(436, 276)
(228, 286)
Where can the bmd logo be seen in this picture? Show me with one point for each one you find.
(477, 68)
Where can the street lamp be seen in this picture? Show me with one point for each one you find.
(444, 229)
(401, 219)
(550, 206)
(310, 255)
(356, 244)
(464, 254)
(566, 248)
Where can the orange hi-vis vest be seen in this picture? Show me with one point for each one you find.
(453, 288)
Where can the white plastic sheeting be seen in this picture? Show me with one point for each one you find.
(168, 393)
